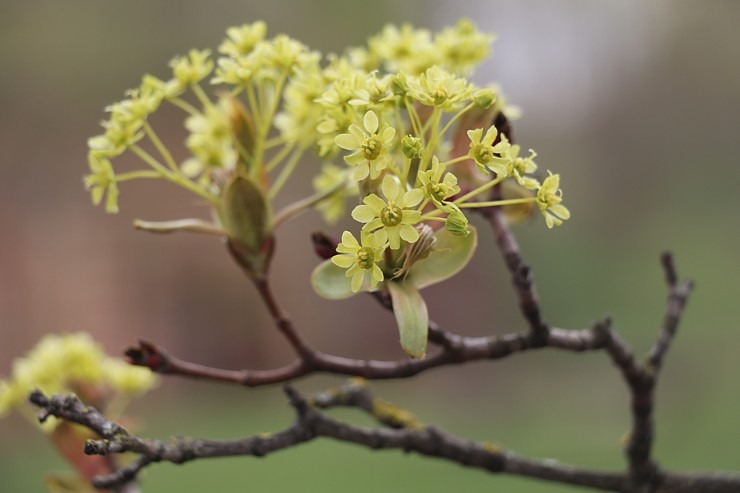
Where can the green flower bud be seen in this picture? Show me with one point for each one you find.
(484, 98)
(411, 146)
(457, 223)
(247, 219)
(399, 84)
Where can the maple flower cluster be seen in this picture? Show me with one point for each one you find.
(399, 128)
(71, 363)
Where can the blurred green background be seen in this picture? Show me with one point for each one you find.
(636, 104)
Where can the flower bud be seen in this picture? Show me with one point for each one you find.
(457, 223)
(411, 146)
(399, 84)
(247, 219)
(484, 98)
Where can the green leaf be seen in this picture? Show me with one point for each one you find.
(411, 316)
(246, 214)
(331, 281)
(450, 254)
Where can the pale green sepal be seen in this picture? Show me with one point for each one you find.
(448, 257)
(187, 225)
(411, 316)
(331, 282)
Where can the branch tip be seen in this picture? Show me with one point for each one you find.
(669, 268)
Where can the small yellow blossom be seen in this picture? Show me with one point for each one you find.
(68, 363)
(360, 260)
(404, 49)
(435, 187)
(549, 198)
(370, 146)
(519, 167)
(392, 219)
(211, 140)
(102, 182)
(242, 40)
(462, 47)
(485, 154)
(191, 69)
(441, 89)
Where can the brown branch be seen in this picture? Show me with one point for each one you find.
(521, 275)
(642, 378)
(677, 297)
(406, 433)
(458, 350)
(282, 321)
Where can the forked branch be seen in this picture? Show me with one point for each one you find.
(402, 430)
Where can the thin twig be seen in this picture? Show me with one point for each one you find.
(521, 275)
(455, 350)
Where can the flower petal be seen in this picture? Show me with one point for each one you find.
(409, 233)
(375, 203)
(371, 122)
(387, 135)
(343, 261)
(391, 188)
(346, 141)
(410, 217)
(412, 198)
(361, 172)
(559, 210)
(490, 136)
(349, 240)
(363, 214)
(394, 237)
(357, 278)
(381, 236)
(373, 225)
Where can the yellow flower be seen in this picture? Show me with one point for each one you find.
(360, 259)
(437, 188)
(242, 39)
(518, 167)
(370, 146)
(441, 89)
(485, 154)
(549, 198)
(392, 219)
(102, 182)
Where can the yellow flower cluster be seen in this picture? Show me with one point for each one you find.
(61, 364)
(420, 142)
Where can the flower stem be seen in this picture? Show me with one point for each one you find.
(133, 175)
(184, 105)
(496, 203)
(166, 154)
(201, 95)
(285, 173)
(175, 178)
(479, 190)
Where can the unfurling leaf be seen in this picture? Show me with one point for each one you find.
(331, 282)
(247, 219)
(411, 315)
(450, 254)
